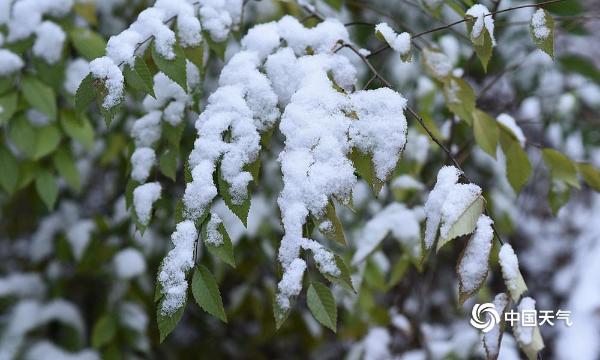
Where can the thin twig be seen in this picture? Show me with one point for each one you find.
(448, 26)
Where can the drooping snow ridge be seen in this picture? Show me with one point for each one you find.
(483, 19)
(219, 17)
(244, 104)
(9, 62)
(47, 350)
(104, 68)
(49, 42)
(290, 284)
(213, 236)
(129, 263)
(397, 219)
(75, 72)
(473, 266)
(144, 196)
(175, 265)
(538, 23)
(524, 334)
(142, 160)
(446, 180)
(400, 43)
(492, 338)
(317, 123)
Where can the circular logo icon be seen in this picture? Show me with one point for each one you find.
(484, 322)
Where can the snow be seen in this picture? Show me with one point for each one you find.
(144, 196)
(213, 236)
(147, 130)
(9, 62)
(175, 266)
(538, 24)
(439, 63)
(47, 350)
(79, 236)
(49, 42)
(407, 182)
(129, 263)
(460, 197)
(511, 124)
(381, 129)
(22, 285)
(524, 334)
(76, 71)
(491, 339)
(376, 344)
(27, 315)
(188, 25)
(397, 219)
(104, 68)
(473, 266)
(27, 16)
(290, 284)
(510, 271)
(483, 19)
(171, 99)
(142, 160)
(446, 180)
(400, 43)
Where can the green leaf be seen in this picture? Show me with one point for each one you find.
(8, 106)
(47, 138)
(104, 331)
(168, 163)
(336, 4)
(363, 164)
(331, 226)
(195, 54)
(206, 292)
(167, 323)
(580, 65)
(399, 270)
(6, 84)
(466, 222)
(88, 43)
(51, 74)
(9, 175)
(86, 93)
(460, 98)
(518, 167)
(65, 165)
(565, 7)
(240, 210)
(86, 11)
(223, 251)
(39, 95)
(139, 77)
(280, 314)
(78, 127)
(27, 172)
(558, 196)
(482, 44)
(217, 47)
(431, 58)
(34, 142)
(322, 305)
(344, 278)
(590, 175)
(545, 44)
(561, 167)
(486, 132)
(47, 188)
(175, 69)
(173, 133)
